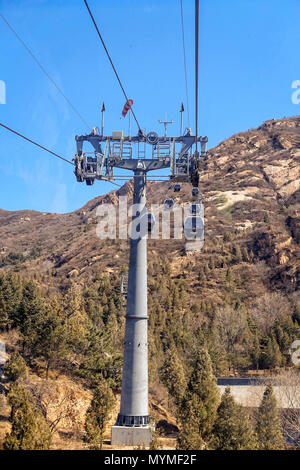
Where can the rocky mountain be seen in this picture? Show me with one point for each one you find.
(250, 186)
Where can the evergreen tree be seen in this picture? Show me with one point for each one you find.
(4, 318)
(189, 438)
(76, 320)
(272, 357)
(93, 307)
(283, 338)
(296, 314)
(98, 414)
(45, 335)
(101, 359)
(30, 305)
(11, 287)
(268, 425)
(232, 429)
(173, 376)
(255, 351)
(29, 429)
(200, 402)
(155, 445)
(206, 269)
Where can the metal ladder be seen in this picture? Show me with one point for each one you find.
(162, 150)
(121, 150)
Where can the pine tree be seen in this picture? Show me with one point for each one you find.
(283, 338)
(173, 376)
(268, 425)
(296, 314)
(273, 356)
(102, 359)
(189, 438)
(31, 305)
(76, 324)
(200, 402)
(45, 335)
(29, 429)
(255, 351)
(232, 429)
(98, 414)
(15, 367)
(10, 294)
(4, 318)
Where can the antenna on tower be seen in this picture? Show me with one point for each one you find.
(165, 123)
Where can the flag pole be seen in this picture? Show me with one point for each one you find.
(129, 123)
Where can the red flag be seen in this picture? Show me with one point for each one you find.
(127, 107)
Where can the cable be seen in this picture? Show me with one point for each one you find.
(111, 182)
(45, 72)
(185, 70)
(35, 143)
(196, 65)
(107, 53)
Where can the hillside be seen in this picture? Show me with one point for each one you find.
(239, 296)
(251, 189)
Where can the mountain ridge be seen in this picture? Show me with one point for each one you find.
(250, 184)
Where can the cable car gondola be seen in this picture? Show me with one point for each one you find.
(195, 192)
(168, 204)
(177, 188)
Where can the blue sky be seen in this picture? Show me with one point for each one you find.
(249, 57)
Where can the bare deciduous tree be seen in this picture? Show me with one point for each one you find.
(288, 389)
(286, 386)
(230, 328)
(54, 406)
(268, 308)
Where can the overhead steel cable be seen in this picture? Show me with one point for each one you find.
(110, 59)
(196, 67)
(35, 143)
(185, 68)
(46, 73)
(111, 182)
(47, 150)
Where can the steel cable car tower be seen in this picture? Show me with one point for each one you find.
(132, 427)
(129, 153)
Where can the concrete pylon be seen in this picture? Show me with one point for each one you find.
(133, 426)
